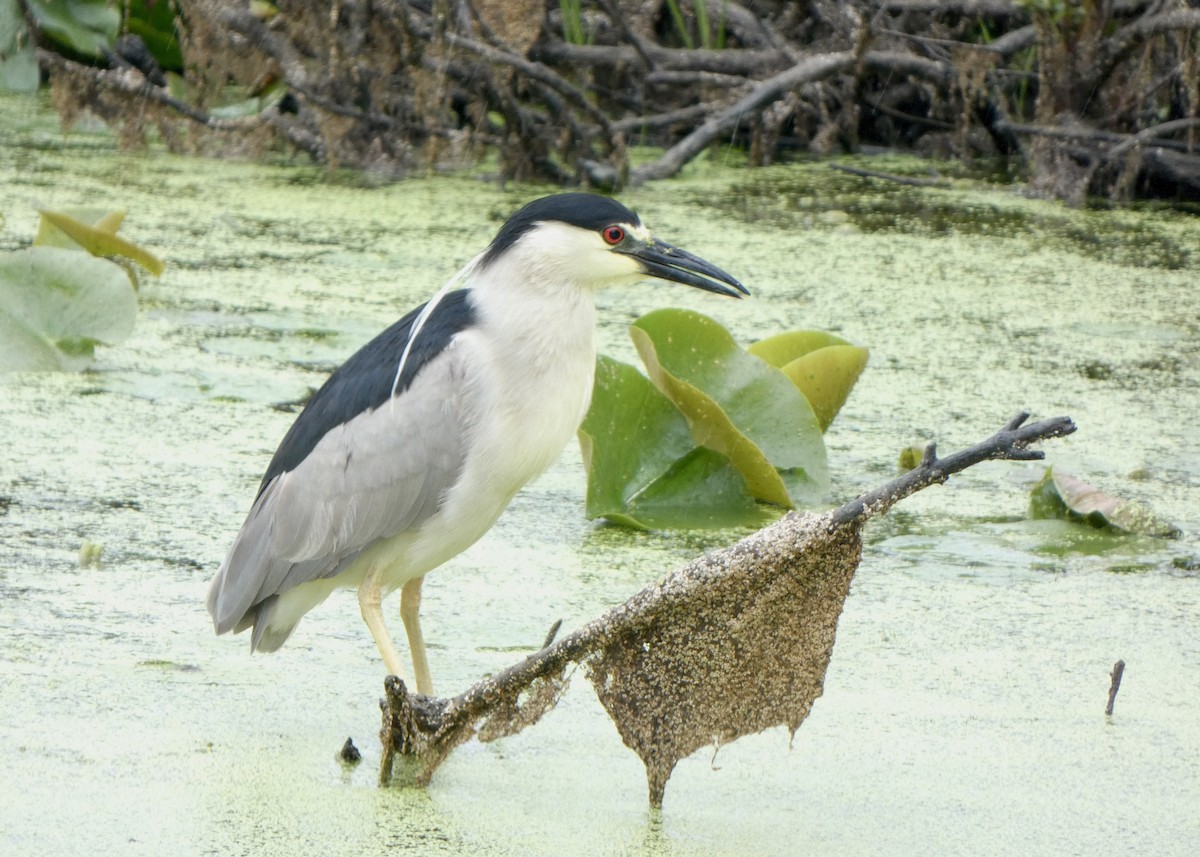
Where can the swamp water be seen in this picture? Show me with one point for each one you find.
(963, 708)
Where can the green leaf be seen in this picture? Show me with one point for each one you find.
(702, 490)
(644, 470)
(1061, 495)
(826, 377)
(19, 71)
(783, 348)
(49, 235)
(909, 459)
(735, 404)
(99, 239)
(55, 305)
(87, 27)
(824, 367)
(154, 21)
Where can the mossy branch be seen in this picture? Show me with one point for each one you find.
(733, 643)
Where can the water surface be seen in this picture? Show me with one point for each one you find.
(963, 709)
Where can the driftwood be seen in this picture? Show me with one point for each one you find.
(735, 642)
(396, 86)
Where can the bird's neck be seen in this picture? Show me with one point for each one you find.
(547, 315)
(548, 333)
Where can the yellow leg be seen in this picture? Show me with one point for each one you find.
(410, 607)
(369, 602)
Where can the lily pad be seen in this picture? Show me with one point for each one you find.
(644, 469)
(60, 229)
(1061, 495)
(823, 367)
(909, 458)
(826, 377)
(56, 305)
(736, 404)
(783, 348)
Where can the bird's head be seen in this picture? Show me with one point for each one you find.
(595, 241)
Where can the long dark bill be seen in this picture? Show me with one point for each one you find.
(668, 262)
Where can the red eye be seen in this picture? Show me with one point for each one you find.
(613, 234)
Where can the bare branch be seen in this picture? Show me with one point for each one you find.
(673, 160)
(734, 642)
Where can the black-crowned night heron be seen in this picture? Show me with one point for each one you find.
(413, 448)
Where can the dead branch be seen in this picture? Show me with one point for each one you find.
(733, 643)
(131, 84)
(674, 159)
(1011, 443)
(1091, 136)
(398, 85)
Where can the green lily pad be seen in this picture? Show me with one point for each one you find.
(61, 229)
(56, 305)
(909, 458)
(824, 367)
(644, 469)
(1061, 495)
(702, 490)
(736, 404)
(826, 377)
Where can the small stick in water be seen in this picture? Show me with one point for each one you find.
(1118, 671)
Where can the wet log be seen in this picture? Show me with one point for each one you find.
(735, 642)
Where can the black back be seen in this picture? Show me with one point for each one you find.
(585, 210)
(364, 382)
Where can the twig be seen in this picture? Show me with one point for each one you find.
(1011, 443)
(1118, 670)
(673, 160)
(134, 84)
(658, 120)
(1149, 136)
(1095, 135)
(1127, 38)
(744, 62)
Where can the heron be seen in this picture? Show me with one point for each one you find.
(411, 449)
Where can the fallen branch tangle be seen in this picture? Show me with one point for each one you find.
(735, 642)
(398, 85)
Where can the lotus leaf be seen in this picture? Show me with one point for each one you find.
(735, 404)
(1061, 495)
(644, 469)
(55, 305)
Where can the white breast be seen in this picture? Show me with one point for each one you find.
(529, 366)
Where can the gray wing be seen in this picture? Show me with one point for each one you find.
(381, 473)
